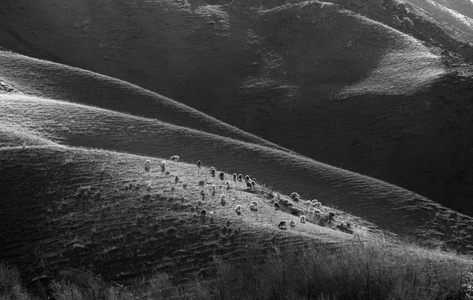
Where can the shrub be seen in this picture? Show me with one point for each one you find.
(10, 284)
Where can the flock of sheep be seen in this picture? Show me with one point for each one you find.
(313, 211)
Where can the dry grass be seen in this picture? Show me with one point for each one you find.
(279, 74)
(388, 206)
(360, 271)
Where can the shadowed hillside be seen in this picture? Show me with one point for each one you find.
(390, 207)
(312, 77)
(44, 79)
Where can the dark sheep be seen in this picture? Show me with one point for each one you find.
(296, 199)
(294, 194)
(282, 225)
(199, 164)
(212, 171)
(331, 216)
(240, 177)
(276, 206)
(248, 185)
(221, 176)
(234, 177)
(202, 216)
(247, 178)
(292, 224)
(253, 184)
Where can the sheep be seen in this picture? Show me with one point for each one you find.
(348, 46)
(249, 186)
(292, 224)
(331, 216)
(282, 225)
(254, 203)
(174, 158)
(247, 178)
(240, 177)
(234, 177)
(294, 194)
(222, 199)
(253, 184)
(221, 176)
(212, 171)
(302, 218)
(238, 209)
(163, 166)
(211, 217)
(227, 183)
(316, 203)
(176, 180)
(199, 164)
(295, 199)
(147, 165)
(276, 206)
(253, 208)
(202, 193)
(202, 216)
(213, 190)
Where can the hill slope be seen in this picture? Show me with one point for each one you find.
(312, 77)
(45, 79)
(390, 207)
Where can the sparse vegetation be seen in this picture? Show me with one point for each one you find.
(362, 270)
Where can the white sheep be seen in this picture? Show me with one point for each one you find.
(238, 209)
(174, 158)
(147, 165)
(227, 183)
(302, 219)
(294, 195)
(211, 217)
(292, 224)
(315, 203)
(308, 203)
(254, 203)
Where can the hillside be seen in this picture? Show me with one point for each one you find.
(374, 88)
(65, 207)
(389, 207)
(21, 74)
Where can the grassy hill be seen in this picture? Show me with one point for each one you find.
(312, 77)
(70, 211)
(45, 79)
(390, 207)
